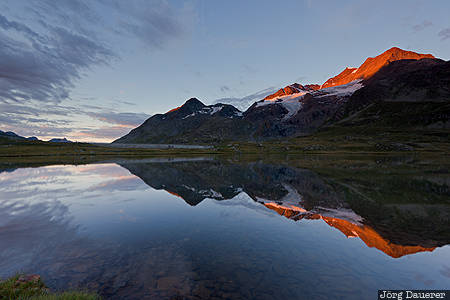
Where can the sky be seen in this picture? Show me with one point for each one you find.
(91, 70)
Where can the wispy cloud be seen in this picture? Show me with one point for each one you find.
(422, 26)
(444, 34)
(120, 118)
(43, 66)
(47, 121)
(245, 102)
(46, 46)
(44, 52)
(224, 89)
(106, 132)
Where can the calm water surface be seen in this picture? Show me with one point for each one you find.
(221, 230)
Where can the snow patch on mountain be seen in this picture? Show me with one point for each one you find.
(205, 193)
(291, 102)
(340, 90)
(209, 110)
(340, 213)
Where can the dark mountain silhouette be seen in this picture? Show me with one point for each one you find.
(14, 136)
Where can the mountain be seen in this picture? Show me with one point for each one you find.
(10, 134)
(395, 89)
(13, 136)
(372, 65)
(195, 122)
(297, 114)
(293, 89)
(403, 94)
(191, 122)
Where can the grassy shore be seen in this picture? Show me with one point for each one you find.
(332, 141)
(355, 140)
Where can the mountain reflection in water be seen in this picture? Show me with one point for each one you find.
(101, 228)
(302, 194)
(366, 233)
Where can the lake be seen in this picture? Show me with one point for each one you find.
(207, 228)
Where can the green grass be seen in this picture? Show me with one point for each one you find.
(350, 140)
(14, 288)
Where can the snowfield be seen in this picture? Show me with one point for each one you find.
(290, 102)
(293, 103)
(340, 90)
(211, 111)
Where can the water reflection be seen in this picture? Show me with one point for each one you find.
(101, 227)
(302, 194)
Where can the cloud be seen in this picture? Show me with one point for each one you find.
(47, 49)
(46, 46)
(224, 89)
(422, 26)
(47, 121)
(249, 69)
(152, 23)
(125, 102)
(43, 66)
(124, 119)
(106, 132)
(245, 102)
(444, 34)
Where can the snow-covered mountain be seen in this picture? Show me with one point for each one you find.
(393, 76)
(293, 102)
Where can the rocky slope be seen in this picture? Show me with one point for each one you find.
(396, 84)
(402, 94)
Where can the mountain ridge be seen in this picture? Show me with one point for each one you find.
(371, 65)
(297, 109)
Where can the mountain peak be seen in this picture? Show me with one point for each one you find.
(396, 53)
(194, 101)
(395, 49)
(372, 64)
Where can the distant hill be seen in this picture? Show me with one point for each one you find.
(9, 135)
(58, 140)
(12, 135)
